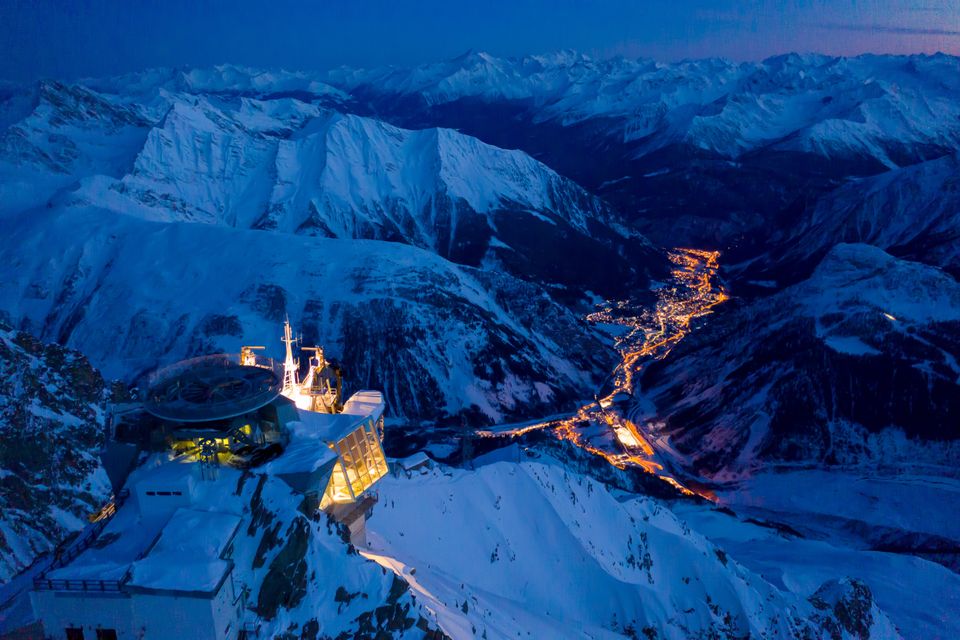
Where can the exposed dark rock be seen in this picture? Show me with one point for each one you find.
(52, 405)
(846, 606)
(285, 584)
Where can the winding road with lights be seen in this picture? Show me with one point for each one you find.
(604, 427)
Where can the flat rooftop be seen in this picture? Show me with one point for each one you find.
(177, 551)
(365, 403)
(187, 557)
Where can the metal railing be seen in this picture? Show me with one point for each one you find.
(161, 382)
(63, 557)
(103, 586)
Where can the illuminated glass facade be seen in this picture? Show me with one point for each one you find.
(360, 463)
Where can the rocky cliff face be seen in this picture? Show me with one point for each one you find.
(857, 363)
(442, 341)
(51, 428)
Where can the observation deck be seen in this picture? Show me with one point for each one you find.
(214, 387)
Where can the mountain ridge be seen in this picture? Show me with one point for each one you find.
(289, 166)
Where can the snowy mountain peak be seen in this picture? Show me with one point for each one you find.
(860, 274)
(286, 165)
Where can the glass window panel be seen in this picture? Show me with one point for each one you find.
(361, 464)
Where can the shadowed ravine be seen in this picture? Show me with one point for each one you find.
(604, 427)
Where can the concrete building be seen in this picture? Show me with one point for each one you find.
(155, 570)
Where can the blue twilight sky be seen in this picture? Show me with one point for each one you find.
(51, 38)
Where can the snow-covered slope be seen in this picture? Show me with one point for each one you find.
(694, 151)
(913, 212)
(890, 109)
(51, 431)
(437, 338)
(530, 547)
(69, 133)
(91, 178)
(859, 363)
(702, 152)
(280, 164)
(918, 596)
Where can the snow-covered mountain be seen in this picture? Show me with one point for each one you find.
(437, 338)
(170, 213)
(883, 107)
(707, 152)
(284, 165)
(912, 212)
(66, 133)
(712, 148)
(428, 227)
(52, 428)
(702, 151)
(857, 364)
(527, 546)
(223, 79)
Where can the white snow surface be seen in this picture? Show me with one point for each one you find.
(187, 556)
(909, 291)
(274, 163)
(920, 597)
(176, 147)
(534, 548)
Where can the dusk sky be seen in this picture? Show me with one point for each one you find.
(47, 38)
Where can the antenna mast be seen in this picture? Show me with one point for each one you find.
(291, 376)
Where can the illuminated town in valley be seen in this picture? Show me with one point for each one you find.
(692, 293)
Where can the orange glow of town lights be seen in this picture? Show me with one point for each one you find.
(692, 293)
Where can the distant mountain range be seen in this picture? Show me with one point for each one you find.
(704, 151)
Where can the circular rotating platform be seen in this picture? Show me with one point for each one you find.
(212, 388)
